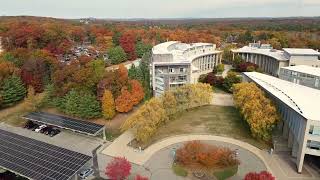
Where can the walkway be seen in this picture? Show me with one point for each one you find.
(119, 147)
(227, 68)
(220, 99)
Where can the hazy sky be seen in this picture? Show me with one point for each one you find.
(160, 8)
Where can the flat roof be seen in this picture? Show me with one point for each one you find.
(38, 160)
(76, 125)
(304, 100)
(276, 54)
(304, 69)
(301, 51)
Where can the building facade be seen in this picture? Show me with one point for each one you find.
(302, 74)
(300, 123)
(271, 60)
(175, 64)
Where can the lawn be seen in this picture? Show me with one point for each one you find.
(215, 120)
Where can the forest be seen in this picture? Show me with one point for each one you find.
(66, 59)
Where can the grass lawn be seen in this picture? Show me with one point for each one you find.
(215, 120)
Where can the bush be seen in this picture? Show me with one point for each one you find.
(264, 175)
(223, 174)
(80, 104)
(179, 170)
(118, 169)
(231, 79)
(218, 69)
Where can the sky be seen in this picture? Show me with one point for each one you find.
(160, 8)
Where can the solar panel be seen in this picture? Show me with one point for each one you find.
(38, 160)
(65, 122)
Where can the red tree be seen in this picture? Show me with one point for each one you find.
(127, 42)
(138, 177)
(137, 93)
(118, 169)
(124, 101)
(263, 175)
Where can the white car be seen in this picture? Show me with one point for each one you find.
(85, 173)
(39, 128)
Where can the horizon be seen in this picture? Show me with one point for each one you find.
(161, 9)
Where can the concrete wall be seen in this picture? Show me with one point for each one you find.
(304, 60)
(300, 78)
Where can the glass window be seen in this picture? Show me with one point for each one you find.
(182, 70)
(171, 70)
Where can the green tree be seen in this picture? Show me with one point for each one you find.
(81, 104)
(12, 91)
(116, 38)
(142, 48)
(133, 72)
(117, 55)
(231, 79)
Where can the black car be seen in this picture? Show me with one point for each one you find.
(52, 132)
(45, 130)
(29, 125)
(34, 127)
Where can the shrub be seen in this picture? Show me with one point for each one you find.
(118, 169)
(231, 79)
(225, 173)
(179, 170)
(139, 177)
(264, 175)
(195, 154)
(218, 69)
(80, 104)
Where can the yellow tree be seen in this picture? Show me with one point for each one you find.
(108, 105)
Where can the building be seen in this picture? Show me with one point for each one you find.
(175, 64)
(299, 108)
(271, 60)
(302, 74)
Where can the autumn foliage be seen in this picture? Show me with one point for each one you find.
(263, 175)
(124, 101)
(139, 177)
(259, 111)
(137, 93)
(108, 105)
(118, 169)
(195, 154)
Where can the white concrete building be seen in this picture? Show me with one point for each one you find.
(299, 108)
(301, 74)
(175, 64)
(271, 60)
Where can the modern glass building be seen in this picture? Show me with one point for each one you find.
(299, 108)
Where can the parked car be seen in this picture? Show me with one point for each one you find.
(40, 128)
(29, 125)
(52, 132)
(45, 130)
(35, 126)
(85, 173)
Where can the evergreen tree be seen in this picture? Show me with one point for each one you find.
(81, 104)
(12, 91)
(133, 72)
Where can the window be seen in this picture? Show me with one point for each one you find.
(316, 84)
(182, 78)
(182, 70)
(171, 70)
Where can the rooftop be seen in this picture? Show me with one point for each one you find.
(292, 94)
(304, 69)
(277, 54)
(299, 51)
(179, 50)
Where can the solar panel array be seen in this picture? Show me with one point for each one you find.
(38, 160)
(65, 122)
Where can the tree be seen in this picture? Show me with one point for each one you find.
(116, 38)
(263, 175)
(122, 75)
(133, 72)
(117, 55)
(258, 111)
(7, 69)
(127, 42)
(137, 93)
(124, 101)
(12, 91)
(108, 106)
(81, 104)
(169, 103)
(139, 177)
(110, 82)
(231, 79)
(118, 169)
(142, 48)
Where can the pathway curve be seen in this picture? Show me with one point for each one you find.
(119, 147)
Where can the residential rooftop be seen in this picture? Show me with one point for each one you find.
(302, 99)
(304, 69)
(302, 52)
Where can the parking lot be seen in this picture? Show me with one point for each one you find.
(67, 139)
